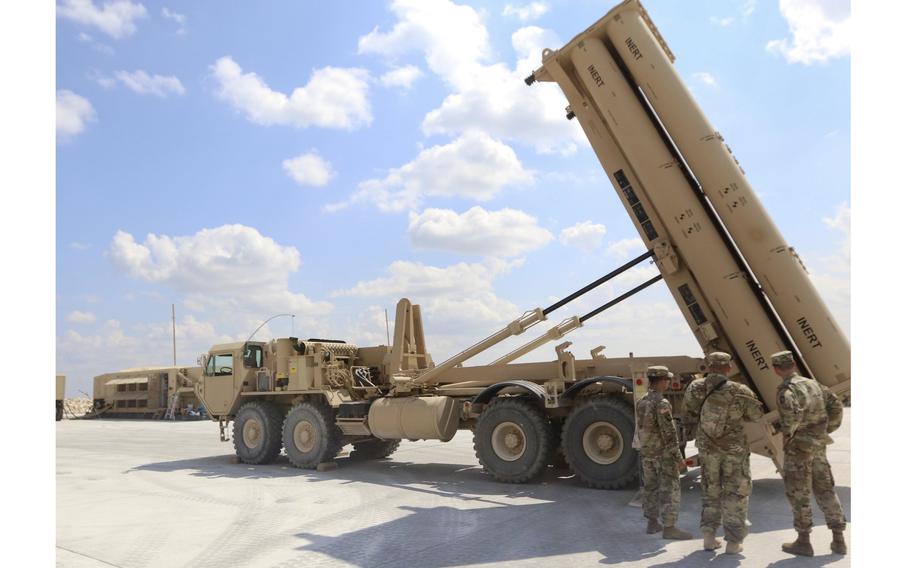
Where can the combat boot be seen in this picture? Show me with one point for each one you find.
(673, 533)
(734, 548)
(654, 526)
(838, 544)
(802, 546)
(711, 543)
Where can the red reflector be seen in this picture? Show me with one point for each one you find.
(690, 462)
(638, 381)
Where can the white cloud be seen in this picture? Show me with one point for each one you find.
(525, 12)
(831, 273)
(141, 82)
(706, 78)
(624, 248)
(819, 29)
(116, 18)
(180, 19)
(455, 298)
(309, 169)
(749, 7)
(232, 269)
(77, 316)
(722, 22)
(79, 246)
(585, 235)
(507, 232)
(474, 167)
(333, 98)
(73, 113)
(487, 96)
(402, 77)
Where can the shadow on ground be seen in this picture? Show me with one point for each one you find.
(484, 523)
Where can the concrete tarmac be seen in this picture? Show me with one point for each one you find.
(148, 494)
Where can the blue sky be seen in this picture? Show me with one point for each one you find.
(241, 160)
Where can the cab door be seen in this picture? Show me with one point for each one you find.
(219, 383)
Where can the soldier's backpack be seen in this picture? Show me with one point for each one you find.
(713, 412)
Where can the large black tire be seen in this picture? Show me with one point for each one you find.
(597, 442)
(513, 440)
(374, 449)
(257, 432)
(310, 435)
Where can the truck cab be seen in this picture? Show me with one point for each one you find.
(227, 370)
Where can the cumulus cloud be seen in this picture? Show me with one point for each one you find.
(333, 98)
(141, 82)
(625, 248)
(73, 113)
(819, 31)
(585, 235)
(403, 77)
(116, 18)
(179, 19)
(525, 12)
(706, 78)
(831, 273)
(490, 96)
(309, 169)
(455, 298)
(77, 316)
(507, 232)
(722, 22)
(474, 166)
(233, 270)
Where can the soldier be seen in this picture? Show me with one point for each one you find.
(720, 407)
(661, 458)
(808, 413)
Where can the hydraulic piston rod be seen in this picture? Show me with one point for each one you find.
(569, 325)
(519, 326)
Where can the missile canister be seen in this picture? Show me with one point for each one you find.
(683, 287)
(782, 276)
(750, 332)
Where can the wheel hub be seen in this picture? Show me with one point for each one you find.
(252, 433)
(305, 436)
(508, 441)
(602, 443)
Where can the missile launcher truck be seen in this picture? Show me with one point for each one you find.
(739, 286)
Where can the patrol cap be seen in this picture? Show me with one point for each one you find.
(718, 359)
(658, 372)
(783, 359)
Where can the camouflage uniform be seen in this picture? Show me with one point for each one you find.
(721, 406)
(808, 413)
(660, 454)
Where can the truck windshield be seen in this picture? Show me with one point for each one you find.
(220, 365)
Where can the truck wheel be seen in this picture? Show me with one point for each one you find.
(374, 449)
(512, 440)
(257, 432)
(597, 441)
(310, 435)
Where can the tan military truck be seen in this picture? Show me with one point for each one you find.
(740, 287)
(312, 397)
(61, 393)
(145, 392)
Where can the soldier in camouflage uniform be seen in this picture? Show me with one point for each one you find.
(808, 413)
(661, 458)
(720, 407)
